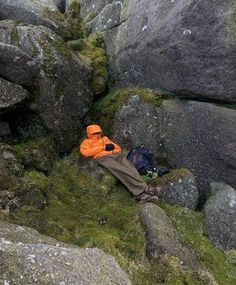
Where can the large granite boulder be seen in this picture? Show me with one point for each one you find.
(163, 238)
(202, 138)
(63, 94)
(10, 94)
(35, 12)
(220, 213)
(167, 248)
(30, 258)
(178, 188)
(182, 46)
(136, 123)
(195, 135)
(16, 65)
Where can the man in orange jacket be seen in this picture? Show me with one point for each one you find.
(109, 155)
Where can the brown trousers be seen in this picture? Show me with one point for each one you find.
(124, 170)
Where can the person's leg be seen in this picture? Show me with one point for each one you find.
(125, 172)
(150, 190)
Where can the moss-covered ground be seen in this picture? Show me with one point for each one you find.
(101, 213)
(190, 224)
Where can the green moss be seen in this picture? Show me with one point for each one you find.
(171, 177)
(190, 224)
(14, 37)
(101, 213)
(104, 110)
(36, 153)
(87, 212)
(93, 48)
(73, 27)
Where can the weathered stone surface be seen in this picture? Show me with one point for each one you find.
(35, 12)
(64, 94)
(108, 18)
(163, 238)
(17, 66)
(179, 188)
(217, 186)
(182, 46)
(10, 167)
(198, 136)
(4, 129)
(189, 134)
(40, 260)
(10, 94)
(136, 123)
(60, 4)
(220, 223)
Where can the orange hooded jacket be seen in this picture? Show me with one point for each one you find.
(94, 146)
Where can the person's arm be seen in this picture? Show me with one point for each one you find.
(117, 147)
(88, 151)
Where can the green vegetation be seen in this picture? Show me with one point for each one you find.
(190, 224)
(36, 153)
(104, 110)
(100, 212)
(172, 177)
(93, 48)
(73, 27)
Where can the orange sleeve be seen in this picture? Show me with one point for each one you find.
(117, 147)
(88, 151)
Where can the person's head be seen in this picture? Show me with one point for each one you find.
(94, 132)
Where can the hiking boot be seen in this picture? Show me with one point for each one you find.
(144, 198)
(153, 190)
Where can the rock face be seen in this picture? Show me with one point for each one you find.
(220, 213)
(63, 94)
(37, 259)
(10, 94)
(199, 135)
(187, 134)
(182, 46)
(4, 129)
(136, 124)
(33, 12)
(17, 66)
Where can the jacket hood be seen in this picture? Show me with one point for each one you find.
(91, 129)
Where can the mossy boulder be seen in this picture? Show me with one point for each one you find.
(190, 224)
(61, 92)
(176, 261)
(220, 212)
(178, 188)
(39, 153)
(129, 115)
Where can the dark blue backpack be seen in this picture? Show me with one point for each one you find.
(142, 159)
